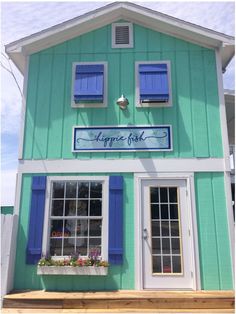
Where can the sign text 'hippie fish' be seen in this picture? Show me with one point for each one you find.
(124, 138)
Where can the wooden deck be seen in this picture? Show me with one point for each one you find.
(120, 301)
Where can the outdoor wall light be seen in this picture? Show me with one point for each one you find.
(122, 102)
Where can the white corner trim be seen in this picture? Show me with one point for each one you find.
(18, 192)
(90, 105)
(124, 165)
(137, 85)
(226, 152)
(189, 177)
(192, 204)
(23, 110)
(113, 39)
(223, 120)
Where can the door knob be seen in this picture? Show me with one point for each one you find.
(145, 234)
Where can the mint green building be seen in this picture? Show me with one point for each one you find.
(124, 154)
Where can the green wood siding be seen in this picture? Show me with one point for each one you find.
(119, 277)
(194, 115)
(214, 249)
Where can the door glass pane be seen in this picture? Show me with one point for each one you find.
(156, 246)
(155, 228)
(156, 264)
(165, 231)
(155, 211)
(164, 211)
(154, 195)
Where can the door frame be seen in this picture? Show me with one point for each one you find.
(138, 179)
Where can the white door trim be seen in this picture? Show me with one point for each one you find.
(138, 178)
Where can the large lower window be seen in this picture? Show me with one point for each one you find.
(77, 218)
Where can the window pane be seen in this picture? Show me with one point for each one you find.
(95, 227)
(164, 212)
(57, 207)
(96, 208)
(70, 208)
(69, 246)
(175, 228)
(155, 211)
(174, 211)
(165, 228)
(82, 227)
(173, 195)
(155, 228)
(71, 189)
(83, 190)
(67, 232)
(95, 245)
(163, 193)
(58, 190)
(82, 246)
(154, 195)
(156, 264)
(56, 247)
(70, 226)
(156, 246)
(96, 190)
(82, 208)
(56, 228)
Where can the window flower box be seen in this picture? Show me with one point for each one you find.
(73, 265)
(71, 270)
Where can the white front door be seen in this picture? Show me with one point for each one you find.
(167, 243)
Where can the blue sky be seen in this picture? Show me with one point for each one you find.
(20, 19)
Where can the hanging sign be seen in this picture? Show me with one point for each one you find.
(122, 138)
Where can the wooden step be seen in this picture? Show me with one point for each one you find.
(126, 301)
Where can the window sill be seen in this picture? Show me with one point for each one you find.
(88, 105)
(70, 270)
(153, 105)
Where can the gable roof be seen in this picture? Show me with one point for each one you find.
(20, 49)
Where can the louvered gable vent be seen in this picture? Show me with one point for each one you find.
(122, 35)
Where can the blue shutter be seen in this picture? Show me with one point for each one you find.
(89, 82)
(35, 230)
(154, 82)
(116, 219)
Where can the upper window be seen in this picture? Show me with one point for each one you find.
(122, 35)
(77, 218)
(89, 84)
(153, 84)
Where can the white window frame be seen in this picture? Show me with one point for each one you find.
(131, 37)
(105, 211)
(87, 104)
(137, 85)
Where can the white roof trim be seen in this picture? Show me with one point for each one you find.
(57, 34)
